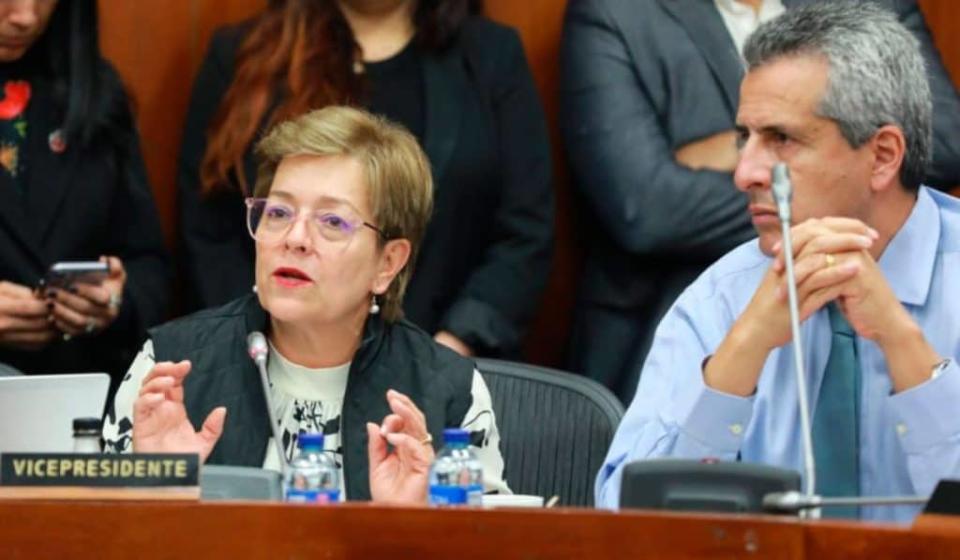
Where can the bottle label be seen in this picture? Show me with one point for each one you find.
(319, 497)
(441, 495)
(475, 494)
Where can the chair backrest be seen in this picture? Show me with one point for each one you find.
(555, 428)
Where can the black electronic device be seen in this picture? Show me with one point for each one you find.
(231, 482)
(689, 485)
(945, 499)
(67, 273)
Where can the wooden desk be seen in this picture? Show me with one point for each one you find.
(203, 530)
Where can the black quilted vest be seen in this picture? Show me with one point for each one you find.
(391, 356)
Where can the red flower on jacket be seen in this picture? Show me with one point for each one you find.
(16, 95)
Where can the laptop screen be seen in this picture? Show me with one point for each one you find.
(37, 411)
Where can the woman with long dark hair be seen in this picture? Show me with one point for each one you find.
(74, 188)
(459, 82)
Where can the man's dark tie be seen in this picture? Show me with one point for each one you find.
(836, 442)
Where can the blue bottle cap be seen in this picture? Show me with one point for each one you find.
(305, 441)
(456, 435)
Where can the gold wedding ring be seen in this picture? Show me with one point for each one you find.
(427, 439)
(831, 260)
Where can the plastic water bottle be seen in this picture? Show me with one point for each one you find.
(456, 477)
(313, 476)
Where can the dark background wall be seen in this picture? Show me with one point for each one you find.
(157, 45)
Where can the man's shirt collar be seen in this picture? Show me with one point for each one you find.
(908, 261)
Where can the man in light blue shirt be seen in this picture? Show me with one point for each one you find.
(837, 92)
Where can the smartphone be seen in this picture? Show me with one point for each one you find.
(65, 274)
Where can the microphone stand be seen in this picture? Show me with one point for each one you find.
(257, 347)
(783, 192)
(793, 502)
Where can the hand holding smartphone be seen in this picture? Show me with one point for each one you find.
(65, 274)
(83, 297)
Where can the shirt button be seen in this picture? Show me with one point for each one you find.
(901, 429)
(736, 429)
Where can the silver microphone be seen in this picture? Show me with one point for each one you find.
(258, 350)
(792, 502)
(782, 190)
(783, 193)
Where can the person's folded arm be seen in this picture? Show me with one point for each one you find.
(620, 155)
(502, 292)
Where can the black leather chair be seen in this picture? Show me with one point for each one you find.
(555, 428)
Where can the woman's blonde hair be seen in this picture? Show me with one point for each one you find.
(399, 180)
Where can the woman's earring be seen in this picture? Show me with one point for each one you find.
(374, 306)
(254, 288)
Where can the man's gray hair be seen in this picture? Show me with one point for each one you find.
(876, 75)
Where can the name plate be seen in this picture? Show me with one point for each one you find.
(81, 469)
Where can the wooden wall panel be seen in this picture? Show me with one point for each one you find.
(539, 23)
(149, 53)
(157, 45)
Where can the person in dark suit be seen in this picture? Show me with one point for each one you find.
(74, 188)
(460, 83)
(649, 90)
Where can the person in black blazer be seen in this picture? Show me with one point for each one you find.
(649, 91)
(461, 84)
(75, 188)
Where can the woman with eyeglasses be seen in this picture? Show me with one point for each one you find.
(74, 189)
(340, 205)
(457, 80)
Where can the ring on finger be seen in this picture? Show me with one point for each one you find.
(91, 325)
(427, 439)
(114, 301)
(831, 260)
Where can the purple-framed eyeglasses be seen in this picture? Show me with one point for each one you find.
(268, 220)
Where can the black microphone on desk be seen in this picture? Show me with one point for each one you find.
(783, 193)
(258, 350)
(793, 502)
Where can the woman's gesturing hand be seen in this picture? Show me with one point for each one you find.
(160, 422)
(400, 476)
